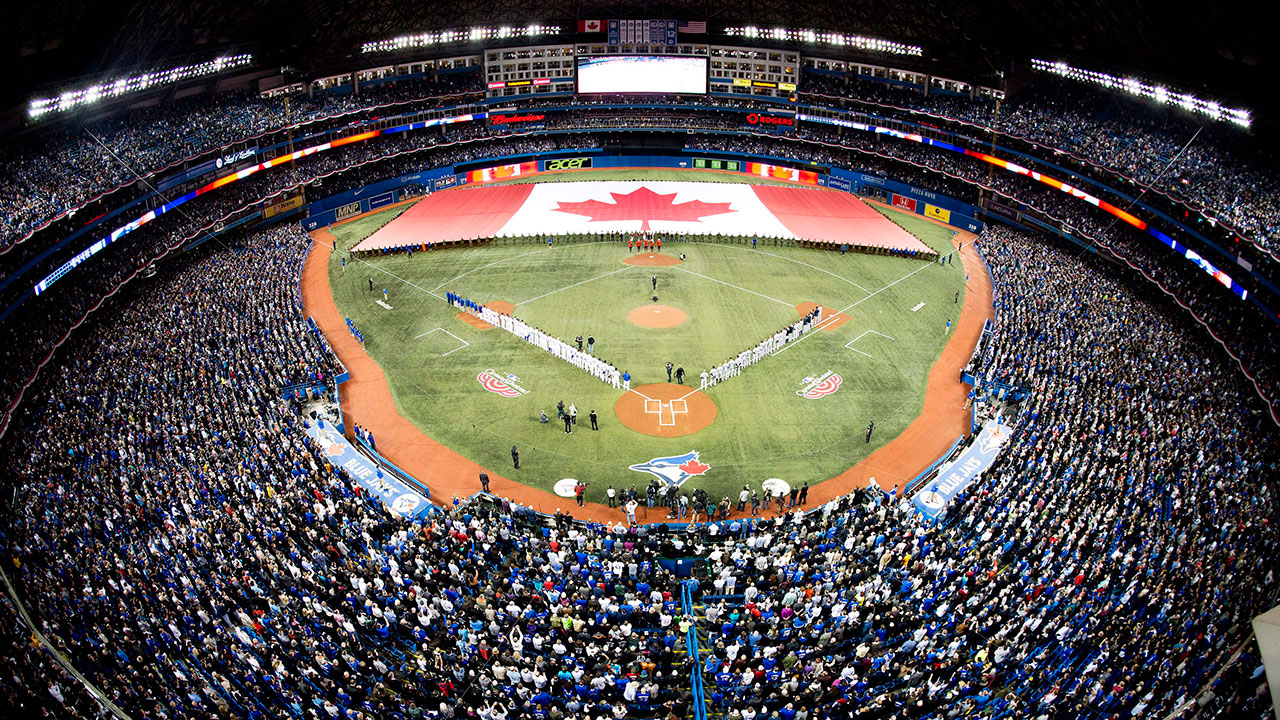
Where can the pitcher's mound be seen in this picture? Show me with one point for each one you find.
(501, 306)
(652, 259)
(827, 315)
(665, 410)
(656, 316)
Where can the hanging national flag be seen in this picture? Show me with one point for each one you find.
(692, 27)
(590, 26)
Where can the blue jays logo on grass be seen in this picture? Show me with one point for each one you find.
(674, 470)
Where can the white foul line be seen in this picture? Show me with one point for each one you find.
(553, 292)
(833, 316)
(815, 267)
(753, 292)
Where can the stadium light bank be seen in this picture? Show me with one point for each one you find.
(857, 42)
(1160, 94)
(125, 85)
(445, 37)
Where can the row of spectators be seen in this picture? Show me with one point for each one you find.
(80, 162)
(1220, 174)
(195, 555)
(1215, 168)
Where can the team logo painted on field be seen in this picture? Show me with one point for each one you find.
(674, 470)
(821, 386)
(499, 385)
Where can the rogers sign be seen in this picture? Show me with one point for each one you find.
(758, 119)
(508, 119)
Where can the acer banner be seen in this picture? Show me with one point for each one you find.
(578, 163)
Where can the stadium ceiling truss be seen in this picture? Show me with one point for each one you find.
(964, 39)
(885, 18)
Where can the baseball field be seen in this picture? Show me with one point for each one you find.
(799, 415)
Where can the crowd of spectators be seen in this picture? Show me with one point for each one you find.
(30, 332)
(1244, 329)
(78, 163)
(180, 539)
(1223, 174)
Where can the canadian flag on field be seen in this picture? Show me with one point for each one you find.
(590, 26)
(698, 208)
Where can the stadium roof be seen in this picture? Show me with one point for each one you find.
(1198, 47)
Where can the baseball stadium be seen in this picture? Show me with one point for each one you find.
(662, 362)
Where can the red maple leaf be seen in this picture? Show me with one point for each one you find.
(693, 467)
(644, 205)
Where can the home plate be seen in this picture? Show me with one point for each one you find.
(384, 305)
(914, 309)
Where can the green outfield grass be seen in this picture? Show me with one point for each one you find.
(733, 296)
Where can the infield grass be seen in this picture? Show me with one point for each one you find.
(733, 296)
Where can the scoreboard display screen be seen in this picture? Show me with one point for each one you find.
(642, 74)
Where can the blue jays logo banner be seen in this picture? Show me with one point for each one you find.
(674, 470)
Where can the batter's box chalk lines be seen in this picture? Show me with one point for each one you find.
(666, 410)
(864, 334)
(446, 332)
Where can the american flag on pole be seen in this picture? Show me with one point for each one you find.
(692, 27)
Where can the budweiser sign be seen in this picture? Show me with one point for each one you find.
(508, 119)
(758, 119)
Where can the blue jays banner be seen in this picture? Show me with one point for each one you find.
(399, 497)
(933, 498)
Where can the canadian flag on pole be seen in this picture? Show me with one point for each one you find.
(590, 26)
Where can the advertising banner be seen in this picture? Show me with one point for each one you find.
(770, 121)
(382, 200)
(777, 172)
(346, 211)
(578, 163)
(517, 119)
(839, 184)
(282, 207)
(502, 172)
(904, 203)
(937, 213)
(232, 158)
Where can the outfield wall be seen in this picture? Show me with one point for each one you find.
(908, 198)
